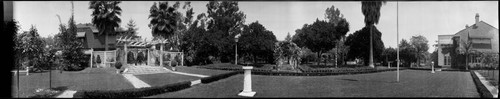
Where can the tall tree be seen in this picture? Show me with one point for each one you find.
(371, 11)
(131, 28)
(12, 27)
(105, 16)
(31, 47)
(73, 57)
(320, 36)
(257, 41)
(419, 42)
(226, 21)
(359, 44)
(408, 53)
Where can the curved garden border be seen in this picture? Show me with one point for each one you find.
(305, 73)
(481, 89)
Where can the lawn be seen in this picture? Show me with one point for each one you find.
(88, 79)
(200, 71)
(164, 78)
(413, 83)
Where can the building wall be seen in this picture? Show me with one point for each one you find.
(96, 41)
(443, 40)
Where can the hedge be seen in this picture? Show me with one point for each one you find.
(131, 93)
(442, 69)
(219, 76)
(310, 72)
(483, 91)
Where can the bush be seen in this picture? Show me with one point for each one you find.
(133, 93)
(98, 60)
(118, 65)
(483, 91)
(218, 77)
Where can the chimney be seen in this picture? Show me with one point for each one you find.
(477, 18)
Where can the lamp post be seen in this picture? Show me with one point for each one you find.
(50, 69)
(236, 49)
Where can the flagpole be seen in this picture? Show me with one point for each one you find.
(397, 37)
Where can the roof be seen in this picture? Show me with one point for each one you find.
(93, 28)
(478, 30)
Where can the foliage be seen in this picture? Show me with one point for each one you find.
(371, 11)
(226, 21)
(118, 65)
(98, 59)
(407, 53)
(141, 58)
(434, 58)
(30, 46)
(390, 55)
(257, 41)
(105, 17)
(287, 51)
(12, 27)
(341, 51)
(130, 58)
(164, 19)
(135, 92)
(419, 42)
(73, 57)
(219, 77)
(131, 28)
(359, 44)
(321, 36)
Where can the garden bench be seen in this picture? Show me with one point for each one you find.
(22, 71)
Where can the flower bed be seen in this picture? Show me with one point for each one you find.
(131, 93)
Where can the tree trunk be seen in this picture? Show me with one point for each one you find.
(370, 64)
(319, 58)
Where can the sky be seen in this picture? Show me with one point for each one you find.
(426, 18)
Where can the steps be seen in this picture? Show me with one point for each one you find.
(137, 70)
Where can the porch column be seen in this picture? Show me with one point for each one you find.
(91, 57)
(161, 55)
(126, 53)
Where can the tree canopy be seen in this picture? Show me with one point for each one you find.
(30, 46)
(419, 42)
(407, 53)
(257, 42)
(359, 44)
(225, 22)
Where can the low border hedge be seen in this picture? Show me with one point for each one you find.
(317, 72)
(219, 76)
(132, 93)
(481, 89)
(442, 69)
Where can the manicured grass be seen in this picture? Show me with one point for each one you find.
(164, 78)
(412, 83)
(89, 79)
(201, 71)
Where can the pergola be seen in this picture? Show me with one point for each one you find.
(130, 41)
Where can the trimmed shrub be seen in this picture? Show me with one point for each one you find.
(133, 93)
(118, 65)
(481, 89)
(218, 77)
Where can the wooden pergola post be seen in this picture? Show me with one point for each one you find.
(161, 55)
(126, 53)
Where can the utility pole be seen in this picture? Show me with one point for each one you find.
(397, 37)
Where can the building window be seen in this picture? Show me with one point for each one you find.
(447, 60)
(481, 43)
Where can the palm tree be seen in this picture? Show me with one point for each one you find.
(371, 11)
(105, 17)
(164, 19)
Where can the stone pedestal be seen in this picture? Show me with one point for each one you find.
(247, 83)
(433, 68)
